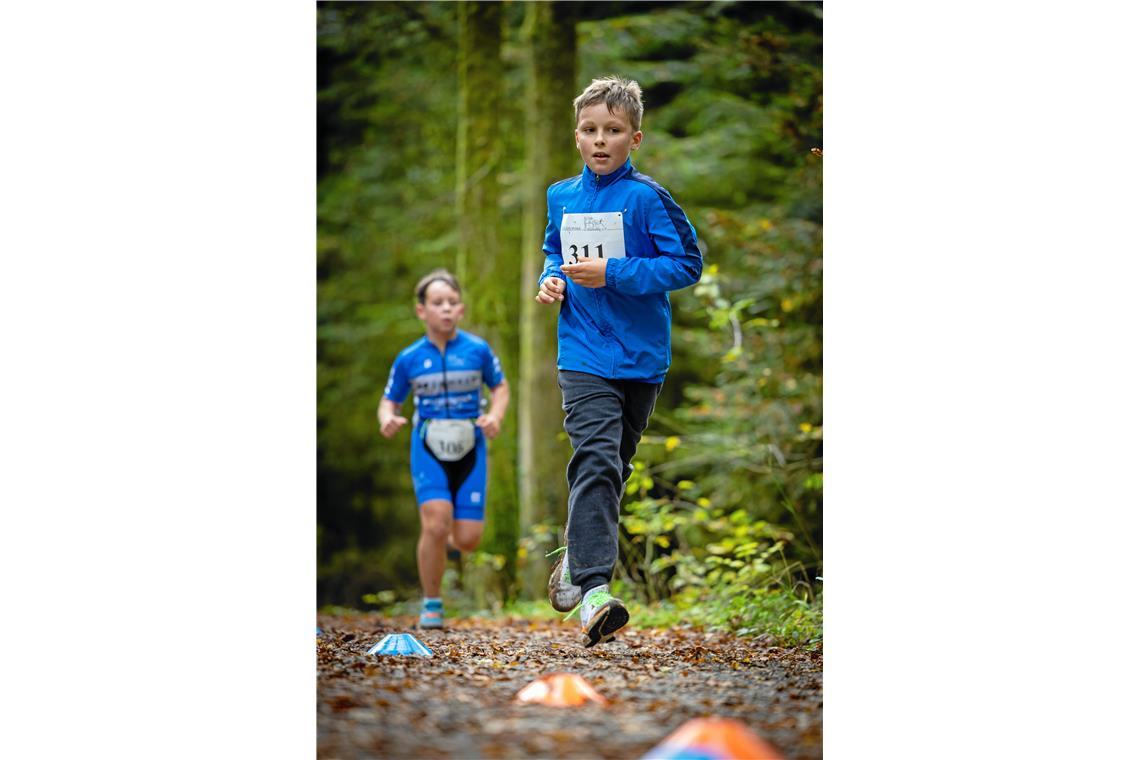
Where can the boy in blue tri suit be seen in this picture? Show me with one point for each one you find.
(446, 370)
(616, 244)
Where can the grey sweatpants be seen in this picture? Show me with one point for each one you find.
(605, 420)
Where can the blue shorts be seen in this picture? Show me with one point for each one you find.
(463, 483)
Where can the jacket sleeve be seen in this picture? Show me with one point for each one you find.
(551, 246)
(679, 262)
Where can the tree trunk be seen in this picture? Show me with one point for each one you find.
(551, 53)
(491, 298)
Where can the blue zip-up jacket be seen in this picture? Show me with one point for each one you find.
(622, 331)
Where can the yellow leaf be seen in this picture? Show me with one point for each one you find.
(703, 502)
(765, 224)
(672, 442)
(787, 304)
(805, 427)
(685, 485)
(522, 552)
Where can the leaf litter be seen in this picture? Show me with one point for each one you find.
(459, 702)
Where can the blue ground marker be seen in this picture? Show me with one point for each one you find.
(404, 644)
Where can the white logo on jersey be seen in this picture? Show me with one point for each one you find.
(476, 497)
(427, 363)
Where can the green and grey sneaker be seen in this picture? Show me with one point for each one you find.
(602, 616)
(564, 596)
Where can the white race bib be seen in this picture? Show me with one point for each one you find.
(592, 236)
(449, 440)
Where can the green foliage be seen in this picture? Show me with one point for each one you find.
(723, 525)
(724, 521)
(784, 618)
(385, 215)
(693, 560)
(380, 598)
(386, 123)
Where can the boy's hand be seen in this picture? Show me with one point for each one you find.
(392, 425)
(551, 290)
(589, 273)
(489, 424)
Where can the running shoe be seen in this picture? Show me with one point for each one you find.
(602, 616)
(431, 615)
(564, 596)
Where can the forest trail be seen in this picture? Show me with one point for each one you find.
(459, 703)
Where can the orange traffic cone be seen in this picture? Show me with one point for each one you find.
(714, 739)
(560, 690)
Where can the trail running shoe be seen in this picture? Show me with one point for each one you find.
(602, 616)
(431, 615)
(564, 596)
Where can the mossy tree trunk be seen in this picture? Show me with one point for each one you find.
(491, 297)
(551, 57)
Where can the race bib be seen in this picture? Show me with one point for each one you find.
(592, 236)
(449, 440)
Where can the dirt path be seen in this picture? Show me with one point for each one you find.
(458, 703)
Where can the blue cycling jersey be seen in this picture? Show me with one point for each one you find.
(445, 384)
(621, 331)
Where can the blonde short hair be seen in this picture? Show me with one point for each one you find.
(616, 93)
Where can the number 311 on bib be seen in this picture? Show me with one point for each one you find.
(592, 236)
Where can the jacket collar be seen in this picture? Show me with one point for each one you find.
(603, 180)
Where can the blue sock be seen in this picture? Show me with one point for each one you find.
(433, 603)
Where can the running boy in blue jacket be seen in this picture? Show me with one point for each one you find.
(616, 244)
(446, 369)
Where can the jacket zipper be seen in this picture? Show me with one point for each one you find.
(594, 296)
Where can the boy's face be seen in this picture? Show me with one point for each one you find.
(441, 309)
(605, 139)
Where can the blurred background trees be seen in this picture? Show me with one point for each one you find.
(423, 111)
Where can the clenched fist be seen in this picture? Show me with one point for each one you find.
(552, 289)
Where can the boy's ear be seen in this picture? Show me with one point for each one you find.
(421, 312)
(460, 310)
(637, 139)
